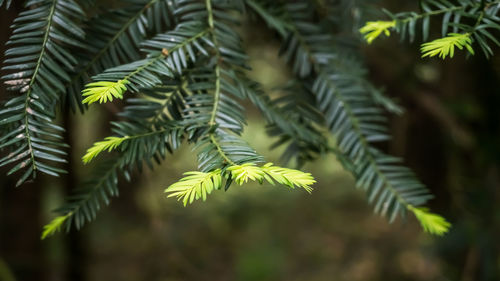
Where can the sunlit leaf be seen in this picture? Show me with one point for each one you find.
(373, 29)
(104, 91)
(109, 143)
(431, 223)
(445, 46)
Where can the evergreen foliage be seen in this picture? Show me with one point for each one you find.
(39, 62)
(463, 22)
(182, 69)
(198, 185)
(446, 46)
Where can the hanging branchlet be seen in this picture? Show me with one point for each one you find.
(462, 24)
(116, 36)
(38, 61)
(374, 29)
(168, 54)
(430, 222)
(350, 111)
(445, 46)
(197, 185)
(149, 133)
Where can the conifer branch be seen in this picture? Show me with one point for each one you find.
(27, 109)
(113, 40)
(351, 115)
(147, 73)
(40, 63)
(84, 204)
(217, 145)
(454, 15)
(112, 143)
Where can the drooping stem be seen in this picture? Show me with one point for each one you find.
(27, 109)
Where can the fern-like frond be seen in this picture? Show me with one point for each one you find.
(431, 223)
(214, 120)
(54, 226)
(39, 62)
(114, 37)
(374, 29)
(445, 46)
(248, 171)
(83, 205)
(307, 140)
(195, 185)
(289, 177)
(213, 116)
(167, 54)
(137, 139)
(104, 91)
(108, 144)
(478, 19)
(149, 132)
(357, 122)
(351, 113)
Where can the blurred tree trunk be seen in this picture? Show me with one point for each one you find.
(75, 253)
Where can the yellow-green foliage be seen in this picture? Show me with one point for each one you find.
(198, 184)
(195, 185)
(285, 176)
(54, 226)
(445, 46)
(108, 143)
(372, 29)
(104, 91)
(242, 173)
(431, 223)
(289, 177)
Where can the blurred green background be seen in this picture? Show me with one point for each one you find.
(449, 135)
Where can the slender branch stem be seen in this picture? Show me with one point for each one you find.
(213, 115)
(27, 109)
(208, 3)
(217, 67)
(217, 90)
(221, 152)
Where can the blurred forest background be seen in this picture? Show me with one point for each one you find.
(449, 134)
